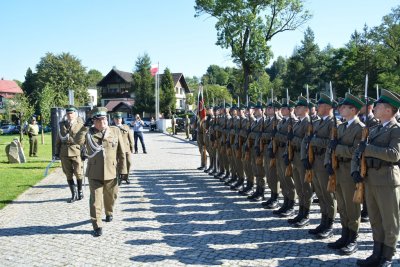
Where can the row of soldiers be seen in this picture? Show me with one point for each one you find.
(295, 153)
(108, 150)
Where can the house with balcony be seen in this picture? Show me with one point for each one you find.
(181, 91)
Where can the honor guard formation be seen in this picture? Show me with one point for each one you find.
(301, 148)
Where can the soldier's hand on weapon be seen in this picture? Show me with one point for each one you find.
(308, 138)
(271, 153)
(357, 177)
(361, 146)
(286, 159)
(290, 135)
(257, 150)
(333, 143)
(329, 169)
(306, 164)
(357, 153)
(88, 122)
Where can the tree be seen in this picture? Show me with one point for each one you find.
(45, 103)
(21, 104)
(61, 73)
(94, 77)
(28, 86)
(143, 85)
(167, 93)
(215, 75)
(246, 27)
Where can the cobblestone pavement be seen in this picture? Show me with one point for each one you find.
(170, 215)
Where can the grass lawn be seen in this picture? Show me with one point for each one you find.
(16, 178)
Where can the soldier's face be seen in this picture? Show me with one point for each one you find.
(285, 111)
(381, 111)
(101, 123)
(71, 116)
(117, 121)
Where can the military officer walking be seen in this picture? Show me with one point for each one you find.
(33, 132)
(127, 137)
(382, 181)
(348, 138)
(69, 151)
(106, 158)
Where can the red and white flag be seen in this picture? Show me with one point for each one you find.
(202, 110)
(154, 69)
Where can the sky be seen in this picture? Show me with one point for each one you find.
(104, 34)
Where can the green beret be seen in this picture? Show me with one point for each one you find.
(98, 112)
(389, 98)
(324, 99)
(242, 107)
(288, 104)
(259, 105)
(227, 105)
(274, 104)
(70, 108)
(352, 101)
(251, 105)
(117, 115)
(301, 101)
(234, 107)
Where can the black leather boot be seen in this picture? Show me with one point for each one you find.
(320, 227)
(387, 255)
(283, 207)
(289, 210)
(260, 194)
(255, 194)
(351, 244)
(272, 202)
(305, 220)
(209, 167)
(238, 184)
(364, 213)
(226, 177)
(80, 191)
(247, 189)
(375, 258)
(220, 174)
(73, 191)
(232, 180)
(298, 217)
(328, 230)
(341, 242)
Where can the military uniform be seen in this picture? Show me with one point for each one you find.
(246, 151)
(69, 153)
(271, 124)
(226, 146)
(230, 143)
(201, 144)
(348, 136)
(382, 183)
(207, 141)
(237, 148)
(127, 137)
(212, 136)
(286, 182)
(33, 132)
(106, 158)
(319, 142)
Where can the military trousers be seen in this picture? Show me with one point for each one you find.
(247, 167)
(33, 145)
(258, 170)
(129, 161)
(327, 200)
(287, 183)
(303, 189)
(220, 164)
(231, 162)
(239, 164)
(383, 210)
(271, 175)
(350, 212)
(71, 166)
(202, 150)
(102, 193)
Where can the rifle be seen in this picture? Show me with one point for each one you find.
(259, 158)
(359, 193)
(289, 147)
(309, 150)
(240, 139)
(247, 154)
(274, 143)
(332, 154)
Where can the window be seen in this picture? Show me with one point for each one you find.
(180, 103)
(181, 91)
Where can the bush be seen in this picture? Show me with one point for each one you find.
(1, 131)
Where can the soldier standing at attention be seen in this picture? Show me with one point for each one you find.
(225, 143)
(69, 151)
(382, 182)
(127, 137)
(272, 121)
(201, 144)
(187, 127)
(348, 138)
(33, 132)
(303, 188)
(207, 129)
(173, 123)
(230, 143)
(248, 145)
(237, 147)
(319, 142)
(287, 183)
(106, 158)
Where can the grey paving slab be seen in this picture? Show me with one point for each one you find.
(170, 215)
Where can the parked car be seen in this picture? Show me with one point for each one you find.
(129, 121)
(8, 129)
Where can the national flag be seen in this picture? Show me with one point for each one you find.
(154, 69)
(202, 110)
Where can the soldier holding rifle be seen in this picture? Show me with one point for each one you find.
(240, 136)
(382, 179)
(348, 138)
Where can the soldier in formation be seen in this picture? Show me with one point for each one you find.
(296, 151)
(69, 152)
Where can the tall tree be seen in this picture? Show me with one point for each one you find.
(45, 103)
(94, 76)
(61, 73)
(167, 93)
(143, 85)
(28, 86)
(246, 27)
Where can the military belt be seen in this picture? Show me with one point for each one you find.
(342, 159)
(378, 163)
(319, 151)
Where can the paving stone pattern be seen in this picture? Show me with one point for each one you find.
(170, 215)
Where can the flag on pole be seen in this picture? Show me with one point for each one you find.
(154, 69)
(202, 110)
